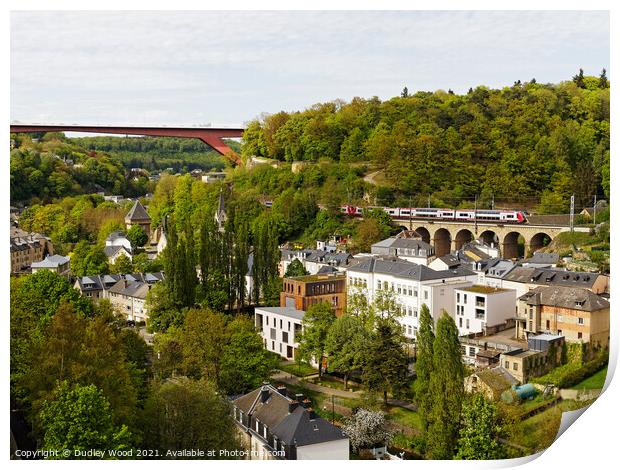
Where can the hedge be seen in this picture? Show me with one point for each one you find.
(572, 373)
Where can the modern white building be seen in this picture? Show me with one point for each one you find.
(412, 284)
(279, 328)
(479, 307)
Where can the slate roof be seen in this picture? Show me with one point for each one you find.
(106, 281)
(498, 378)
(543, 258)
(51, 262)
(114, 235)
(565, 297)
(450, 260)
(549, 276)
(297, 428)
(112, 250)
(137, 213)
(407, 270)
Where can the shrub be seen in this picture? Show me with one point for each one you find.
(572, 373)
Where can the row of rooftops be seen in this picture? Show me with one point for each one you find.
(317, 256)
(107, 281)
(53, 261)
(404, 269)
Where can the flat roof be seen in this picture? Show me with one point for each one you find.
(478, 289)
(284, 311)
(319, 277)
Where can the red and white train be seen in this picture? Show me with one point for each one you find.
(484, 215)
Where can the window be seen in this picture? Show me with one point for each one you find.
(548, 324)
(507, 365)
(460, 323)
(467, 323)
(559, 332)
(425, 294)
(464, 298)
(415, 292)
(285, 337)
(515, 366)
(410, 291)
(472, 351)
(289, 326)
(580, 321)
(273, 345)
(409, 329)
(379, 285)
(458, 297)
(579, 335)
(280, 324)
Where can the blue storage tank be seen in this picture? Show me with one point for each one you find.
(525, 391)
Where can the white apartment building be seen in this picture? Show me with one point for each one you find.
(478, 307)
(413, 285)
(279, 328)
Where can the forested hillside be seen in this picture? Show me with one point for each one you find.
(538, 141)
(158, 153)
(54, 167)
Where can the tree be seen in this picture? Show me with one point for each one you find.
(122, 265)
(203, 339)
(386, 366)
(446, 388)
(316, 323)
(296, 269)
(367, 429)
(579, 79)
(137, 236)
(80, 418)
(424, 365)
(480, 431)
(246, 364)
(603, 82)
(346, 345)
(186, 414)
(82, 351)
(88, 260)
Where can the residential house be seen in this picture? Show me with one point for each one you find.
(524, 279)
(543, 353)
(304, 291)
(274, 426)
(576, 313)
(213, 176)
(279, 327)
(137, 215)
(413, 285)
(479, 307)
(407, 245)
(27, 248)
(56, 263)
(314, 260)
(490, 382)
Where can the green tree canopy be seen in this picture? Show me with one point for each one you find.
(478, 437)
(296, 269)
(79, 418)
(316, 324)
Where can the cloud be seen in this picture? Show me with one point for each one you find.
(216, 65)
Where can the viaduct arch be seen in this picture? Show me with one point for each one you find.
(513, 240)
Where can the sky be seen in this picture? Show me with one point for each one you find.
(226, 68)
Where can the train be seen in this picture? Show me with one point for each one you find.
(482, 215)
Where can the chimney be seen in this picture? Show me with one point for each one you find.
(311, 414)
(282, 389)
(306, 403)
(292, 405)
(264, 393)
(299, 397)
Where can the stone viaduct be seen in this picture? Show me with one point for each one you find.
(447, 235)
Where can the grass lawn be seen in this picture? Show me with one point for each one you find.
(406, 417)
(593, 382)
(539, 431)
(332, 382)
(300, 370)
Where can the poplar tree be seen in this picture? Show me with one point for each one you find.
(424, 365)
(446, 388)
(479, 435)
